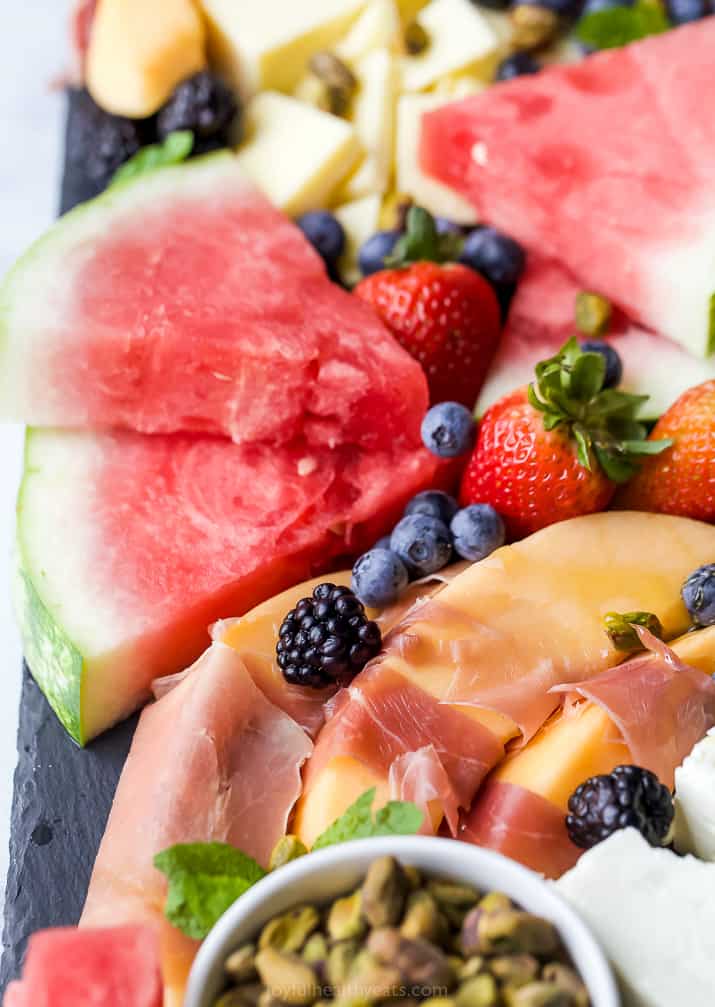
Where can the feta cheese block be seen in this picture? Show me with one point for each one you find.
(410, 179)
(373, 116)
(260, 46)
(695, 801)
(459, 36)
(378, 27)
(297, 154)
(654, 914)
(360, 219)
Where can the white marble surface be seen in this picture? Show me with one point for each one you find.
(34, 55)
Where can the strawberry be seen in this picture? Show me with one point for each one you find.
(556, 449)
(444, 314)
(682, 479)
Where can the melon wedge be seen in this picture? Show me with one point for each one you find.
(606, 166)
(130, 546)
(541, 319)
(185, 301)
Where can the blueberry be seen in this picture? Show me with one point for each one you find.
(423, 543)
(203, 104)
(448, 430)
(683, 11)
(382, 543)
(594, 6)
(325, 234)
(375, 250)
(477, 531)
(516, 65)
(564, 8)
(614, 364)
(379, 576)
(435, 503)
(699, 595)
(446, 226)
(497, 257)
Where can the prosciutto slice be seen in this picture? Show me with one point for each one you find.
(420, 777)
(213, 760)
(661, 705)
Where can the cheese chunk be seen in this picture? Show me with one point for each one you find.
(297, 154)
(695, 801)
(139, 52)
(261, 46)
(459, 37)
(360, 220)
(654, 914)
(378, 27)
(410, 179)
(373, 116)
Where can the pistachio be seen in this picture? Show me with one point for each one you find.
(345, 918)
(495, 900)
(514, 970)
(231, 998)
(538, 994)
(455, 901)
(267, 999)
(567, 979)
(251, 992)
(423, 918)
(240, 966)
(470, 968)
(593, 313)
(482, 991)
(383, 892)
(417, 38)
(289, 931)
(339, 962)
(421, 965)
(286, 849)
(533, 26)
(507, 930)
(315, 949)
(440, 1002)
(287, 977)
(369, 979)
(412, 874)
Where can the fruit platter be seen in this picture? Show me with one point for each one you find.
(368, 505)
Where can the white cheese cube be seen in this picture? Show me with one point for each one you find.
(378, 27)
(373, 116)
(410, 179)
(297, 154)
(654, 914)
(360, 220)
(261, 45)
(459, 37)
(695, 802)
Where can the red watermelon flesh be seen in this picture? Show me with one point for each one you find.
(606, 166)
(112, 967)
(184, 301)
(130, 546)
(541, 319)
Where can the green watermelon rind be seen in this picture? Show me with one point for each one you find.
(56, 663)
(710, 349)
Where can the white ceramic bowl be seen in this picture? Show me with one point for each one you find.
(328, 873)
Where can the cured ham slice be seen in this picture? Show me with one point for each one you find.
(203, 760)
(420, 777)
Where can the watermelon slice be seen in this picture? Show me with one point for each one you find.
(605, 165)
(130, 546)
(185, 301)
(117, 966)
(541, 319)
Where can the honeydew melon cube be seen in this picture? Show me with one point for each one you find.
(360, 219)
(264, 46)
(378, 27)
(410, 179)
(297, 154)
(459, 38)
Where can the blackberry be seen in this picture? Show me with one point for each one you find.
(203, 104)
(101, 142)
(630, 796)
(326, 639)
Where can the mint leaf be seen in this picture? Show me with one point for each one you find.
(175, 149)
(204, 880)
(397, 818)
(618, 26)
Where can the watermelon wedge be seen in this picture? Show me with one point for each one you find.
(117, 966)
(130, 546)
(605, 165)
(541, 319)
(185, 301)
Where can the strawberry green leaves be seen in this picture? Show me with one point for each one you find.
(618, 26)
(205, 879)
(603, 422)
(422, 242)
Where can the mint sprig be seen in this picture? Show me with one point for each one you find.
(205, 879)
(618, 26)
(603, 422)
(422, 242)
(173, 150)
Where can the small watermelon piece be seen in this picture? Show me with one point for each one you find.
(606, 166)
(65, 967)
(184, 301)
(130, 546)
(541, 319)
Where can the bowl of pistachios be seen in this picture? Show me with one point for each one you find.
(377, 922)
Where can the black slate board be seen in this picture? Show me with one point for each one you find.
(62, 794)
